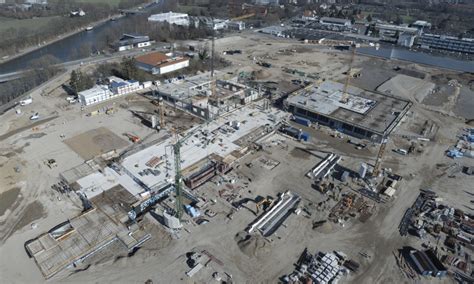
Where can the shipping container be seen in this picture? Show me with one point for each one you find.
(303, 121)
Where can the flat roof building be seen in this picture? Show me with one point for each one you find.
(278, 31)
(172, 18)
(117, 87)
(335, 22)
(450, 43)
(363, 114)
(158, 63)
(96, 94)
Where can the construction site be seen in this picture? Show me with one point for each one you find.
(228, 175)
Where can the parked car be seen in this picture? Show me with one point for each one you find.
(34, 116)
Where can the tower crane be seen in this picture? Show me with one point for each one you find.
(345, 96)
(378, 161)
(178, 178)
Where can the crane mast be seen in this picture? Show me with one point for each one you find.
(178, 179)
(378, 161)
(345, 95)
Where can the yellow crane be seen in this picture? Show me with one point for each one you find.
(378, 161)
(243, 17)
(345, 95)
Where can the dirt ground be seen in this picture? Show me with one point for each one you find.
(31, 207)
(95, 142)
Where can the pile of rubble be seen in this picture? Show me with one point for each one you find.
(465, 145)
(447, 231)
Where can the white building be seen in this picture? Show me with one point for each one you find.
(158, 63)
(236, 25)
(97, 94)
(267, 2)
(328, 21)
(130, 41)
(123, 87)
(179, 19)
(37, 2)
(117, 87)
(274, 30)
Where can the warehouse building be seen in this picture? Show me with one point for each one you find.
(427, 263)
(360, 113)
(328, 21)
(130, 41)
(120, 86)
(158, 63)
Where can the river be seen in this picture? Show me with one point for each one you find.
(66, 49)
(419, 57)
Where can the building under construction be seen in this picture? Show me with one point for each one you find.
(205, 97)
(103, 223)
(359, 113)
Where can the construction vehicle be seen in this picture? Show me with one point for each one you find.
(110, 111)
(132, 138)
(51, 163)
(263, 203)
(264, 64)
(345, 96)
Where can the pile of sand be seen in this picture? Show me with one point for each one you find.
(326, 228)
(261, 74)
(407, 87)
(252, 245)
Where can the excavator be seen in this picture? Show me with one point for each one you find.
(132, 138)
(263, 203)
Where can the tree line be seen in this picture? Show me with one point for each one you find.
(42, 70)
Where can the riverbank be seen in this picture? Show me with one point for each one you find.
(58, 38)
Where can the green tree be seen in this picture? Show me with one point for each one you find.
(203, 53)
(398, 20)
(129, 68)
(80, 81)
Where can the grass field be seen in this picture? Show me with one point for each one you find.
(31, 24)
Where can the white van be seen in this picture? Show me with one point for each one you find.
(401, 151)
(26, 101)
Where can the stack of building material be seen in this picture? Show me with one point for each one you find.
(153, 162)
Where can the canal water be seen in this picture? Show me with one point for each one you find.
(66, 49)
(419, 57)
